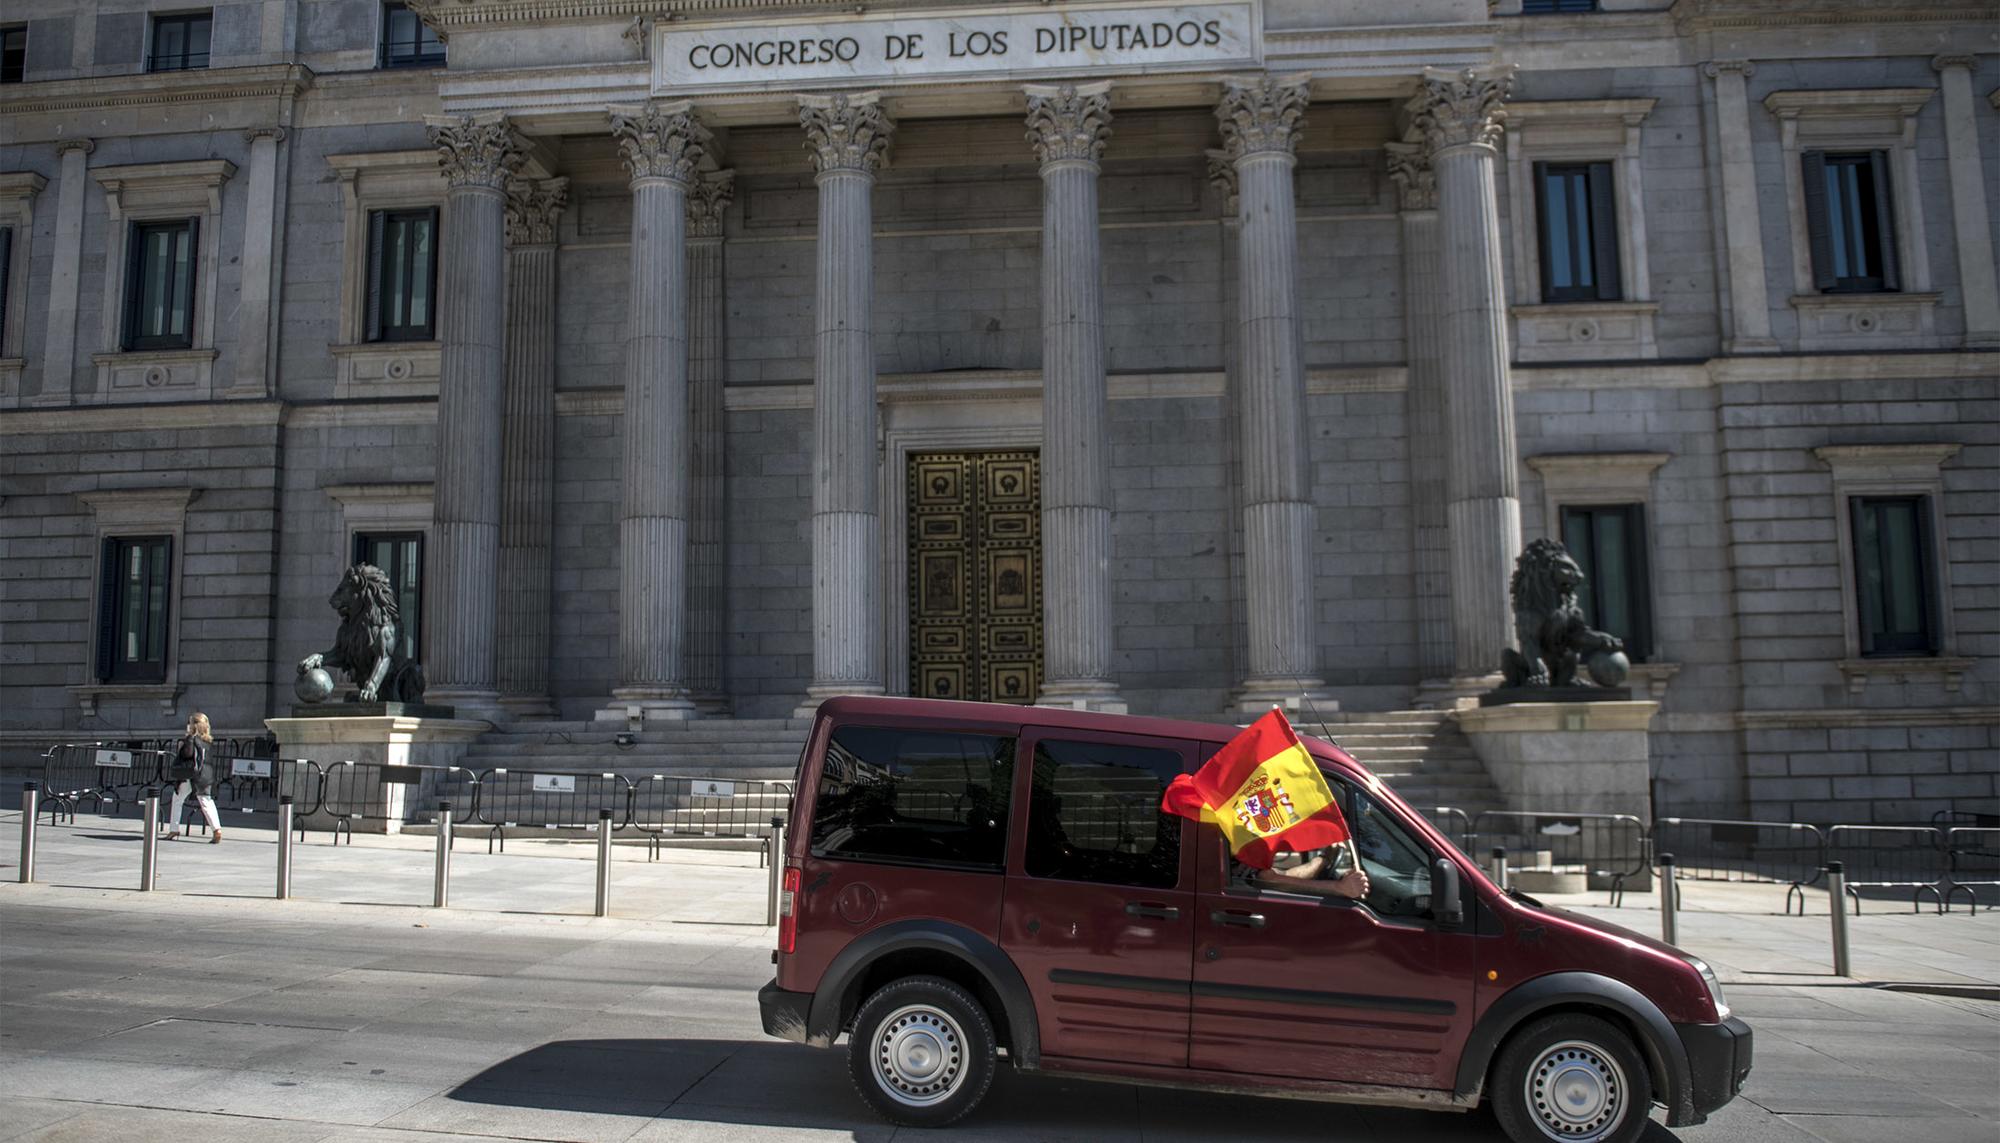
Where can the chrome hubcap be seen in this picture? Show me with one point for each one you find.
(919, 1056)
(1576, 1092)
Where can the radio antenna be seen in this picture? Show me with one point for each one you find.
(1305, 697)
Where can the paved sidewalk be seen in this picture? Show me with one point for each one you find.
(356, 1013)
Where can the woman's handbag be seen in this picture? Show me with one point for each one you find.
(184, 761)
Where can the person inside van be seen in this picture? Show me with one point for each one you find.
(1311, 876)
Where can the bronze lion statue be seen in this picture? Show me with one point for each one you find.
(1555, 640)
(365, 644)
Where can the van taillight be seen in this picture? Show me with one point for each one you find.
(788, 917)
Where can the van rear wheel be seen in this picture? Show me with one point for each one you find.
(1571, 1078)
(922, 1052)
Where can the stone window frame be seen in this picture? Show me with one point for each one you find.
(1592, 478)
(18, 190)
(1575, 131)
(383, 180)
(160, 192)
(391, 506)
(1869, 470)
(1866, 119)
(119, 512)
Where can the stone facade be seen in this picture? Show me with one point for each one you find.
(1301, 380)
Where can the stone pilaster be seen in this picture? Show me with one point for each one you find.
(1416, 188)
(1458, 117)
(1068, 126)
(708, 601)
(262, 228)
(663, 145)
(848, 139)
(479, 155)
(1260, 120)
(59, 345)
(528, 430)
(1743, 231)
(1971, 226)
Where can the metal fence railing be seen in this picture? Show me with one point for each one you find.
(681, 806)
(547, 800)
(1609, 849)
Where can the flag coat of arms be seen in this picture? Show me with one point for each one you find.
(1264, 791)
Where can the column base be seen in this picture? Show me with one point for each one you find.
(1457, 692)
(470, 703)
(529, 706)
(1088, 694)
(818, 693)
(1298, 698)
(647, 704)
(712, 704)
(1741, 345)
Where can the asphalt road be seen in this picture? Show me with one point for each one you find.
(208, 1011)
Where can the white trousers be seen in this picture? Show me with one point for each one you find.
(206, 803)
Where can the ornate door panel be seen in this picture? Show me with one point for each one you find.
(975, 576)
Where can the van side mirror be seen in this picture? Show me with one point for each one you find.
(1444, 893)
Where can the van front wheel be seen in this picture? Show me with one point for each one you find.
(1571, 1079)
(921, 1053)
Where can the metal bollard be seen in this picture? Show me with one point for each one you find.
(1497, 866)
(284, 847)
(1836, 895)
(30, 795)
(777, 855)
(604, 863)
(149, 848)
(1670, 917)
(441, 884)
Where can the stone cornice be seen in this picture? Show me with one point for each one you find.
(1849, 102)
(1726, 15)
(1069, 122)
(20, 185)
(207, 85)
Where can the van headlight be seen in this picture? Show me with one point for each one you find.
(1714, 984)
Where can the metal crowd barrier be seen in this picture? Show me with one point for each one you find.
(677, 806)
(1453, 823)
(1973, 862)
(98, 773)
(1723, 849)
(1608, 848)
(1891, 857)
(378, 791)
(507, 799)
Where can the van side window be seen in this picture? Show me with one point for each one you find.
(1094, 815)
(1398, 864)
(914, 796)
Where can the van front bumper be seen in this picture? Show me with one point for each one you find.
(1718, 1062)
(784, 1012)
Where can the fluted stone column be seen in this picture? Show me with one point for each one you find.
(848, 139)
(708, 602)
(1260, 119)
(1458, 117)
(1416, 186)
(479, 154)
(663, 145)
(528, 462)
(1068, 126)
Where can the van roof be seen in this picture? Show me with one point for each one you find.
(849, 708)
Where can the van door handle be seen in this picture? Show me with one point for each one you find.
(1232, 917)
(1163, 912)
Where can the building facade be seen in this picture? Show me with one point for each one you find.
(706, 359)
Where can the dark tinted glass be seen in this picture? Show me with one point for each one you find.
(160, 292)
(1852, 228)
(1398, 865)
(400, 555)
(406, 41)
(914, 796)
(1094, 815)
(1892, 570)
(13, 54)
(140, 609)
(403, 245)
(180, 42)
(1608, 541)
(1543, 7)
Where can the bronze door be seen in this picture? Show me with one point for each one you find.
(975, 575)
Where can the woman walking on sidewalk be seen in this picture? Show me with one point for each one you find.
(194, 772)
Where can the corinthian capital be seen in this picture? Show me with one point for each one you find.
(660, 140)
(846, 132)
(532, 210)
(1416, 180)
(707, 201)
(476, 150)
(1261, 115)
(1461, 108)
(1068, 122)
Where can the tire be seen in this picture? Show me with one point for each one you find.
(1571, 1078)
(922, 1052)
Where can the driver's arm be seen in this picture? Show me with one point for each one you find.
(1304, 878)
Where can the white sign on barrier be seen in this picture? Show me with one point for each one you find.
(114, 759)
(554, 784)
(250, 767)
(711, 788)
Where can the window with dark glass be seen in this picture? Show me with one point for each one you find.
(400, 555)
(133, 597)
(408, 41)
(1544, 7)
(1850, 222)
(402, 274)
(1579, 232)
(14, 54)
(1608, 541)
(929, 797)
(180, 42)
(1094, 815)
(1896, 594)
(1398, 864)
(6, 276)
(159, 286)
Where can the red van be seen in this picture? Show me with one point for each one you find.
(967, 880)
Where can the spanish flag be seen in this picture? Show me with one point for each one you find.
(1265, 792)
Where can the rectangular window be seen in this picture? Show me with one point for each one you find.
(180, 43)
(1543, 7)
(400, 555)
(1094, 815)
(1579, 232)
(6, 276)
(159, 286)
(1896, 593)
(14, 54)
(408, 41)
(1849, 222)
(915, 796)
(402, 274)
(1608, 541)
(134, 594)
